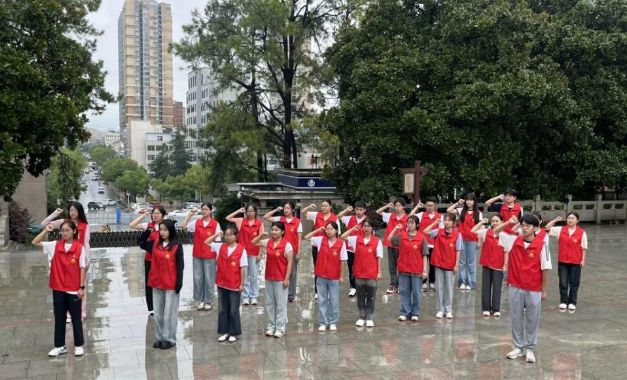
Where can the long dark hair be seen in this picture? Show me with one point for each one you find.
(81, 211)
(72, 225)
(475, 209)
(170, 225)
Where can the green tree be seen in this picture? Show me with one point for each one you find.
(113, 169)
(198, 179)
(64, 181)
(179, 155)
(48, 83)
(102, 154)
(134, 182)
(161, 166)
(488, 94)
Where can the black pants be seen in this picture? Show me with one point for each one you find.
(491, 283)
(569, 275)
(392, 260)
(148, 288)
(351, 261)
(229, 321)
(314, 257)
(366, 295)
(431, 277)
(63, 303)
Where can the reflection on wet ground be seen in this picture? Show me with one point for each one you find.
(590, 343)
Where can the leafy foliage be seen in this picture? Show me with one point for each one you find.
(134, 182)
(19, 219)
(160, 166)
(64, 181)
(102, 154)
(113, 169)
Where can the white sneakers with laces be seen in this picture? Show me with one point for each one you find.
(57, 351)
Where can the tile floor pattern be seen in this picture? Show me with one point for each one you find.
(590, 343)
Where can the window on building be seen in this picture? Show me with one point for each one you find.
(151, 148)
(151, 157)
(159, 138)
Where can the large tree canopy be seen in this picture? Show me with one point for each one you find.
(488, 94)
(48, 81)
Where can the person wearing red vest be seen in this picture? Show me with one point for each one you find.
(232, 262)
(508, 209)
(571, 257)
(366, 267)
(412, 266)
(329, 271)
(204, 257)
(249, 228)
(294, 235)
(165, 279)
(279, 259)
(68, 278)
(426, 219)
(157, 215)
(528, 264)
(76, 213)
(469, 216)
(392, 219)
(494, 263)
(445, 259)
(320, 220)
(351, 221)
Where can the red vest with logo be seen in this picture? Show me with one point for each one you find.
(352, 222)
(410, 253)
(425, 222)
(465, 227)
(154, 235)
(228, 273)
(492, 252)
(320, 222)
(525, 270)
(394, 220)
(444, 253)
(328, 262)
(291, 232)
(276, 262)
(366, 264)
(506, 213)
(201, 234)
(65, 270)
(570, 250)
(246, 235)
(163, 269)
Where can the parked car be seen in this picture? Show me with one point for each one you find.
(101, 190)
(110, 202)
(96, 206)
(177, 213)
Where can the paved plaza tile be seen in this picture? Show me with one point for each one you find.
(590, 343)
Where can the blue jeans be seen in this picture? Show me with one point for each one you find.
(409, 288)
(251, 285)
(328, 300)
(204, 279)
(276, 305)
(166, 304)
(468, 264)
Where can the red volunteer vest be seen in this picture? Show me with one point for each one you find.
(466, 226)
(82, 227)
(425, 222)
(65, 271)
(291, 232)
(410, 253)
(328, 262)
(228, 274)
(276, 262)
(390, 227)
(352, 222)
(492, 252)
(154, 235)
(570, 250)
(201, 234)
(444, 253)
(246, 235)
(525, 270)
(320, 222)
(366, 264)
(506, 213)
(163, 269)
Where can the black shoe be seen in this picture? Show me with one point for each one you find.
(157, 344)
(167, 345)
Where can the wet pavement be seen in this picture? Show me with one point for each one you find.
(590, 343)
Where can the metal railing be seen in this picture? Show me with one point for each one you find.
(122, 238)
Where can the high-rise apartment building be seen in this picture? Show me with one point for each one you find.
(179, 114)
(145, 64)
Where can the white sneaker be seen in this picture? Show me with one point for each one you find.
(57, 351)
(486, 313)
(68, 320)
(515, 353)
(223, 338)
(352, 292)
(79, 351)
(269, 333)
(201, 306)
(232, 339)
(254, 301)
(360, 323)
(245, 302)
(369, 323)
(333, 327)
(468, 287)
(439, 315)
(322, 328)
(316, 296)
(530, 357)
(278, 334)
(432, 287)
(462, 287)
(497, 313)
(572, 307)
(562, 306)
(402, 318)
(207, 306)
(425, 287)
(414, 318)
(449, 315)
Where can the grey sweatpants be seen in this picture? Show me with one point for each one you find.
(444, 290)
(525, 304)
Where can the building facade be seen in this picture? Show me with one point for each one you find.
(179, 115)
(137, 135)
(156, 143)
(111, 137)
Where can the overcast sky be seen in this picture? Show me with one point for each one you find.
(106, 19)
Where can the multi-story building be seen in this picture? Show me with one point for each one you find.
(137, 145)
(156, 143)
(179, 115)
(145, 65)
(111, 137)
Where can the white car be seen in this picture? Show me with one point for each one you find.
(101, 190)
(110, 202)
(177, 213)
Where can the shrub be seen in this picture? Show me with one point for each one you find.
(18, 223)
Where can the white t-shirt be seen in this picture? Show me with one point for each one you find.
(278, 219)
(316, 241)
(545, 257)
(312, 215)
(352, 241)
(288, 246)
(50, 247)
(556, 231)
(459, 211)
(346, 219)
(243, 260)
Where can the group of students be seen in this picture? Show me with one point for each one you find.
(425, 250)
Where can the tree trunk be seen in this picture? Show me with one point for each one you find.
(260, 168)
